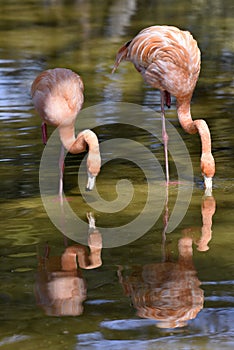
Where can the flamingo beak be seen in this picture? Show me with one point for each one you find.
(91, 182)
(208, 186)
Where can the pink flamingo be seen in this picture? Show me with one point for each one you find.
(58, 97)
(169, 59)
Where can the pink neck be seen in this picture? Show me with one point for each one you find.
(78, 144)
(67, 135)
(192, 127)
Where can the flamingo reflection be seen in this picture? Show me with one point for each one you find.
(170, 292)
(60, 287)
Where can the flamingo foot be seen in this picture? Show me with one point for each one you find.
(174, 183)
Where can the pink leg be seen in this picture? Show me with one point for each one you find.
(167, 99)
(44, 133)
(165, 225)
(61, 171)
(164, 135)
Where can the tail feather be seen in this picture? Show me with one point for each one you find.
(121, 55)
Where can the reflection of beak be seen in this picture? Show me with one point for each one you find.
(91, 182)
(208, 186)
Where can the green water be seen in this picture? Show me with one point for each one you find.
(134, 279)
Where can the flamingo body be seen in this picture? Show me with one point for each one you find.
(162, 54)
(169, 60)
(58, 97)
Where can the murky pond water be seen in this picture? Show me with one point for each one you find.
(147, 289)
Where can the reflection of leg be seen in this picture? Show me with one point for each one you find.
(164, 135)
(124, 284)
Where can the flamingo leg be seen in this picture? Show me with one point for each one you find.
(167, 99)
(61, 171)
(44, 133)
(164, 134)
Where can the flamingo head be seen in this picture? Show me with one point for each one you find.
(93, 169)
(208, 171)
(208, 186)
(91, 182)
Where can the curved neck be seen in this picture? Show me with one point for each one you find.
(78, 144)
(204, 133)
(67, 136)
(184, 115)
(192, 127)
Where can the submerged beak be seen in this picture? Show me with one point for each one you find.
(208, 186)
(91, 182)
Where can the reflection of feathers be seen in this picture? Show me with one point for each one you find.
(167, 292)
(57, 291)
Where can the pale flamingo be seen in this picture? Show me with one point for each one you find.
(169, 59)
(58, 97)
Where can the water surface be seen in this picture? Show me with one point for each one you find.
(118, 304)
